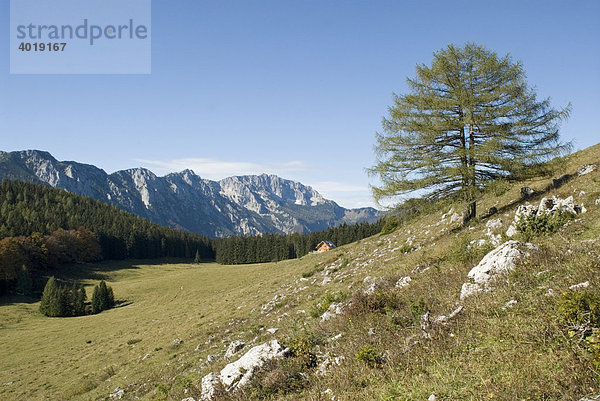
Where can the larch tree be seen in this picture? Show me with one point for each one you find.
(470, 118)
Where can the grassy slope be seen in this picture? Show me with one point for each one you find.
(485, 353)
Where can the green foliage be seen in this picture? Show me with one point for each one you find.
(381, 300)
(370, 356)
(466, 251)
(301, 347)
(417, 308)
(391, 224)
(542, 224)
(458, 128)
(277, 378)
(593, 346)
(111, 232)
(78, 298)
(329, 298)
(580, 309)
(406, 248)
(102, 298)
(498, 188)
(275, 247)
(60, 301)
(49, 304)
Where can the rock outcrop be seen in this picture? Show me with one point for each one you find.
(237, 374)
(499, 261)
(546, 206)
(234, 348)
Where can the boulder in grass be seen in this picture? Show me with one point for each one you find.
(499, 261)
(237, 374)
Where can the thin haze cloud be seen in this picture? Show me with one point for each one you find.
(345, 194)
(215, 169)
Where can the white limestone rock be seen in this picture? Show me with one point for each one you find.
(585, 284)
(328, 363)
(234, 348)
(547, 206)
(590, 398)
(586, 169)
(469, 289)
(237, 374)
(326, 280)
(509, 304)
(117, 394)
(333, 310)
(209, 386)
(403, 282)
(493, 224)
(555, 204)
(499, 261)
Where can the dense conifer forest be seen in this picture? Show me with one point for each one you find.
(42, 228)
(273, 247)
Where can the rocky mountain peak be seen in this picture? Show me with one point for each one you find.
(239, 205)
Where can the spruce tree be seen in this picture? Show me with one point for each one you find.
(79, 297)
(55, 299)
(468, 119)
(49, 301)
(103, 298)
(96, 301)
(110, 298)
(197, 258)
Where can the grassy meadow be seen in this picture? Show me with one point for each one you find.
(488, 351)
(62, 358)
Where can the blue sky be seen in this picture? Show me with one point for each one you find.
(294, 88)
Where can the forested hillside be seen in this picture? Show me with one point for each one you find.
(42, 228)
(267, 248)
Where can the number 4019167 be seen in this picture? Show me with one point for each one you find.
(40, 47)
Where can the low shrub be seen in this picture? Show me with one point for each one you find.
(329, 298)
(467, 252)
(370, 356)
(274, 378)
(541, 224)
(580, 309)
(593, 346)
(301, 348)
(406, 248)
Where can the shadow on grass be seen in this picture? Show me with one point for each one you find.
(18, 299)
(102, 270)
(76, 273)
(535, 196)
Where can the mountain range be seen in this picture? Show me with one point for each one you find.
(239, 205)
